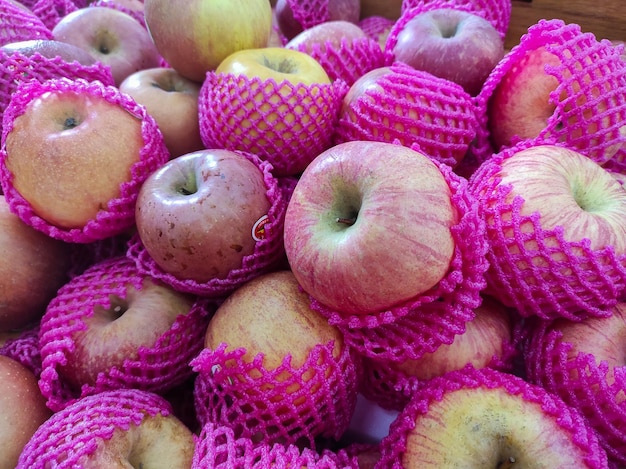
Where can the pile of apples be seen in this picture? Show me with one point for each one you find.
(254, 234)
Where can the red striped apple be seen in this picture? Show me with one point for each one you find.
(368, 226)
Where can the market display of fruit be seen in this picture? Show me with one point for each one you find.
(322, 234)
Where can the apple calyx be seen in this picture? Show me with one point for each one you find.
(70, 123)
(284, 66)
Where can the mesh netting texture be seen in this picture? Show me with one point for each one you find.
(16, 68)
(584, 375)
(588, 102)
(284, 405)
(25, 349)
(51, 11)
(157, 367)
(285, 124)
(308, 13)
(497, 12)
(119, 215)
(414, 108)
(137, 14)
(349, 60)
(536, 270)
(20, 24)
(409, 330)
(77, 431)
(482, 382)
(268, 252)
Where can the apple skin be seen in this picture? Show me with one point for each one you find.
(50, 48)
(46, 146)
(34, 267)
(195, 214)
(328, 33)
(213, 30)
(116, 329)
(291, 24)
(457, 45)
(113, 37)
(22, 407)
(351, 235)
(172, 100)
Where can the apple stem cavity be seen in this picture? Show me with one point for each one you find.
(346, 221)
(70, 123)
(284, 66)
(507, 464)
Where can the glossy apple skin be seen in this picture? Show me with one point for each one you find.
(22, 409)
(361, 239)
(67, 143)
(290, 26)
(195, 215)
(333, 32)
(113, 37)
(172, 100)
(34, 267)
(50, 48)
(212, 31)
(452, 44)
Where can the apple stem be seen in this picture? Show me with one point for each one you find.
(510, 462)
(346, 221)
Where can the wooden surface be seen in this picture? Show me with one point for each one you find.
(604, 18)
(386, 8)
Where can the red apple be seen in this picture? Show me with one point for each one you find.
(293, 17)
(460, 46)
(196, 215)
(360, 239)
(34, 267)
(22, 407)
(212, 31)
(50, 48)
(172, 100)
(326, 34)
(113, 37)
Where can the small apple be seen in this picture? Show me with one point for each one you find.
(358, 238)
(460, 46)
(172, 100)
(34, 267)
(293, 16)
(115, 429)
(212, 31)
(196, 215)
(555, 221)
(113, 37)
(71, 151)
(486, 418)
(22, 407)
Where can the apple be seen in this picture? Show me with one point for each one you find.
(134, 8)
(486, 418)
(275, 384)
(212, 31)
(583, 363)
(72, 151)
(275, 102)
(19, 23)
(50, 48)
(293, 17)
(358, 238)
(329, 34)
(112, 36)
(414, 107)
(34, 267)
(114, 429)
(22, 407)
(378, 28)
(556, 224)
(196, 214)
(172, 100)
(458, 45)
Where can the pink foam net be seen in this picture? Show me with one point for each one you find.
(156, 368)
(218, 447)
(51, 11)
(16, 68)
(77, 431)
(119, 215)
(285, 124)
(376, 26)
(137, 14)
(418, 326)
(497, 12)
(413, 107)
(572, 424)
(581, 381)
(539, 272)
(285, 405)
(309, 13)
(20, 24)
(267, 255)
(589, 101)
(25, 349)
(349, 61)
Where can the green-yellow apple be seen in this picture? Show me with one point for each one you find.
(196, 36)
